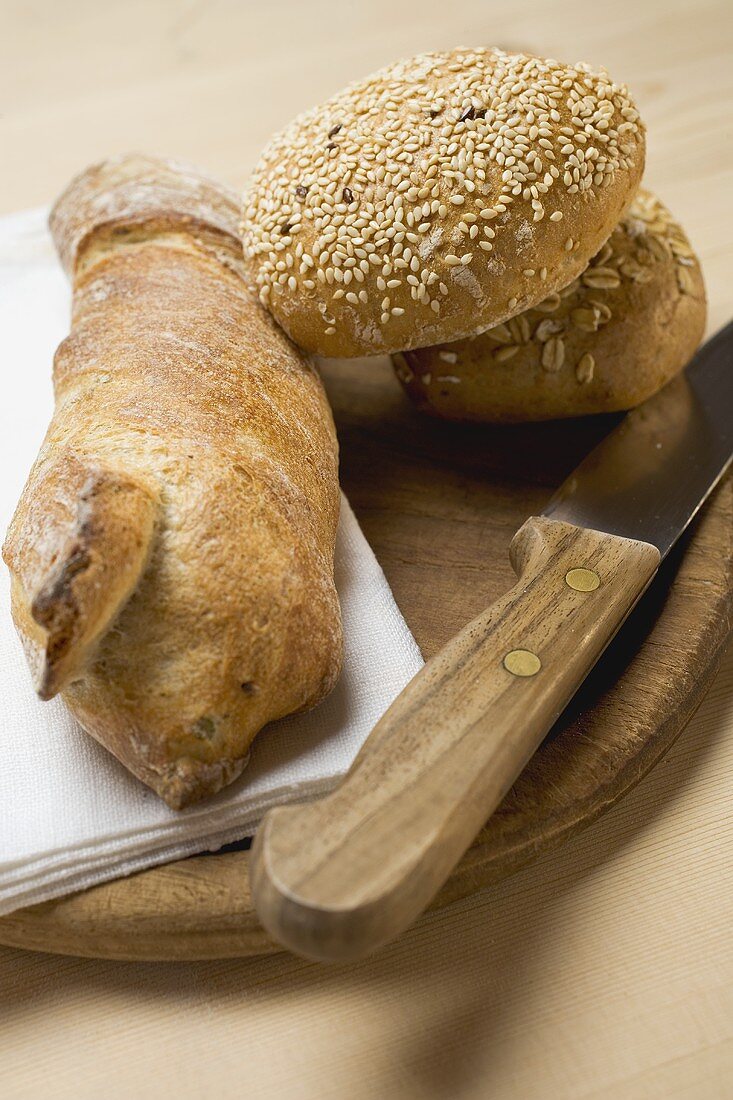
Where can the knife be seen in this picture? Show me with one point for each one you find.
(337, 878)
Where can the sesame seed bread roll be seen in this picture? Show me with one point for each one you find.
(606, 342)
(438, 197)
(172, 552)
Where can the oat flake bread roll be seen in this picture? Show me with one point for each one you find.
(172, 553)
(438, 197)
(608, 341)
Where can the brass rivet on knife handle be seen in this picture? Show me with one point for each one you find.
(337, 878)
(522, 662)
(582, 580)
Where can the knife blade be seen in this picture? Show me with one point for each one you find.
(650, 476)
(337, 878)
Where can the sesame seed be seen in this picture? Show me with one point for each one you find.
(585, 367)
(553, 354)
(503, 354)
(415, 144)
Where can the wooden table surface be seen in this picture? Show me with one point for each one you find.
(606, 969)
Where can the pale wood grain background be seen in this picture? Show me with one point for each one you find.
(606, 969)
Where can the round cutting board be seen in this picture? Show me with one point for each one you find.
(439, 503)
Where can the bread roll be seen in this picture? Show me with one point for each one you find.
(438, 197)
(172, 552)
(606, 342)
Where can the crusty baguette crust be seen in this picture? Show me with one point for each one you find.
(172, 553)
(143, 192)
(604, 343)
(76, 551)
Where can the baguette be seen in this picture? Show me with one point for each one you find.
(172, 552)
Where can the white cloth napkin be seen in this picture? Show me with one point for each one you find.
(70, 815)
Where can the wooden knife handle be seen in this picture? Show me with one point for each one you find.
(337, 878)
